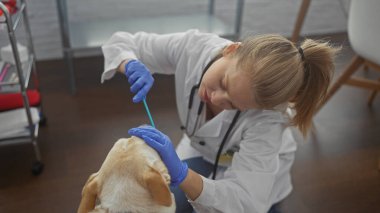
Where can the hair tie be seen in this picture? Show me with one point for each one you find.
(300, 50)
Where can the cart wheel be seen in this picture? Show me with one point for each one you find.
(37, 168)
(43, 120)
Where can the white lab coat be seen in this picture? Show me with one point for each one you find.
(258, 175)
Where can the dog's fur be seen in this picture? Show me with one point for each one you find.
(132, 179)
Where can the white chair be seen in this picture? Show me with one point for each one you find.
(364, 37)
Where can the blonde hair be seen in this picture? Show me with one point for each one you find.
(283, 73)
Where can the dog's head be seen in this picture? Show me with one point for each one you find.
(132, 179)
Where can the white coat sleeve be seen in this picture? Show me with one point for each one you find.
(158, 52)
(247, 184)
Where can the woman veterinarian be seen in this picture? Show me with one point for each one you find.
(235, 102)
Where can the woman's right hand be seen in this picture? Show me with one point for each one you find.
(162, 144)
(140, 79)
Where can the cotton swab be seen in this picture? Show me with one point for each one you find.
(148, 112)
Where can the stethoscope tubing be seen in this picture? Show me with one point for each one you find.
(199, 111)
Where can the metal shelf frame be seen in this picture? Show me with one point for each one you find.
(23, 73)
(79, 37)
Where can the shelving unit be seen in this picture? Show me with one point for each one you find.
(84, 36)
(27, 118)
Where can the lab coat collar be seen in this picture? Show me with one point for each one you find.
(281, 107)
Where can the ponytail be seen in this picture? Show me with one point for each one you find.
(282, 73)
(318, 68)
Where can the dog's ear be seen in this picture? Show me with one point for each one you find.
(157, 187)
(89, 194)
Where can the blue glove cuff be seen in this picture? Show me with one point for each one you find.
(126, 66)
(175, 181)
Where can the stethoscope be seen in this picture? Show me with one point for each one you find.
(199, 111)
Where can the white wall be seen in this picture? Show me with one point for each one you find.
(260, 16)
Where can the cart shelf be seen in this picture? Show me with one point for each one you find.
(14, 126)
(11, 86)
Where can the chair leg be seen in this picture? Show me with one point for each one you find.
(300, 18)
(372, 96)
(356, 62)
(365, 68)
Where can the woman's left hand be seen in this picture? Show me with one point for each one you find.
(162, 144)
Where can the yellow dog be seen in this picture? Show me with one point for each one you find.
(132, 179)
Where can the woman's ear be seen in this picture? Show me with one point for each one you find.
(231, 48)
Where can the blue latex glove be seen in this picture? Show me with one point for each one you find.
(139, 78)
(162, 144)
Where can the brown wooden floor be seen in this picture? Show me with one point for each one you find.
(335, 171)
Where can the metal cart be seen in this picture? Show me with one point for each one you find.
(79, 37)
(24, 71)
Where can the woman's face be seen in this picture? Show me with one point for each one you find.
(225, 86)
